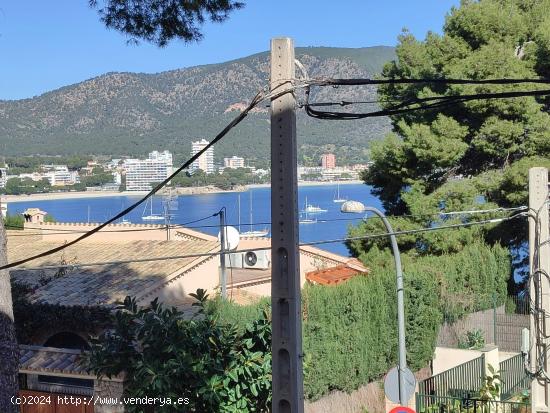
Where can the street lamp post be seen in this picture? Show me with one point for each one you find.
(354, 206)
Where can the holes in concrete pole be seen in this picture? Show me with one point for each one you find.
(284, 406)
(284, 370)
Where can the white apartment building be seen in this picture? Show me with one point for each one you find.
(165, 156)
(35, 176)
(234, 162)
(141, 173)
(3, 177)
(205, 162)
(336, 174)
(59, 175)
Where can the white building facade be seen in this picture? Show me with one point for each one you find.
(234, 162)
(59, 175)
(3, 177)
(142, 173)
(205, 162)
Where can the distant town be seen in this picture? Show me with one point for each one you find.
(132, 174)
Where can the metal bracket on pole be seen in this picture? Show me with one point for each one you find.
(287, 378)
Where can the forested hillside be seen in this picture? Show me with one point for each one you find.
(133, 113)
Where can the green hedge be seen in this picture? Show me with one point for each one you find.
(350, 330)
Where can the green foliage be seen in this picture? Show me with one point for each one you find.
(473, 155)
(49, 218)
(229, 179)
(491, 388)
(237, 315)
(311, 177)
(473, 340)
(16, 186)
(98, 178)
(159, 22)
(29, 164)
(349, 330)
(14, 222)
(169, 110)
(164, 354)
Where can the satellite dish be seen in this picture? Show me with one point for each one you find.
(232, 238)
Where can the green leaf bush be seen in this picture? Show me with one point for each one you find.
(164, 354)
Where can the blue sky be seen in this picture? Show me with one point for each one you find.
(48, 44)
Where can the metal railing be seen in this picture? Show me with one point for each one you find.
(513, 377)
(464, 380)
(439, 404)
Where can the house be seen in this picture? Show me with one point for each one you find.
(118, 265)
(34, 215)
(49, 361)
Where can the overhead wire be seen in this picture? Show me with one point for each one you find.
(442, 81)
(535, 306)
(306, 83)
(186, 225)
(259, 97)
(404, 106)
(304, 244)
(423, 104)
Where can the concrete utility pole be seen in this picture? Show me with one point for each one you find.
(287, 381)
(223, 232)
(539, 288)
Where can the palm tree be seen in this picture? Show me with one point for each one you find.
(9, 354)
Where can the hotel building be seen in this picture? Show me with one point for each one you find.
(328, 161)
(142, 173)
(234, 162)
(205, 162)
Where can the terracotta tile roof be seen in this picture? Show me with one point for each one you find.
(332, 276)
(108, 283)
(59, 361)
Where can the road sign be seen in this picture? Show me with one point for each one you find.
(391, 385)
(402, 409)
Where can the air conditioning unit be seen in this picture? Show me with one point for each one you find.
(234, 260)
(256, 259)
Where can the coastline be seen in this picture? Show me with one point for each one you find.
(52, 196)
(312, 183)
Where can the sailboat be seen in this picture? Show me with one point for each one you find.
(306, 219)
(251, 232)
(312, 209)
(337, 198)
(151, 216)
(124, 220)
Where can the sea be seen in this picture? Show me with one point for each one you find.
(255, 210)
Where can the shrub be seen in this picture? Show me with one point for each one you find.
(163, 354)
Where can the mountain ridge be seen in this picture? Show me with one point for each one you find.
(128, 113)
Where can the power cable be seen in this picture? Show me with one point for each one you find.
(313, 243)
(438, 103)
(399, 81)
(259, 97)
(320, 221)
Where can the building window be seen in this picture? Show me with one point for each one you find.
(66, 381)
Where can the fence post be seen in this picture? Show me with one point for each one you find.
(494, 318)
